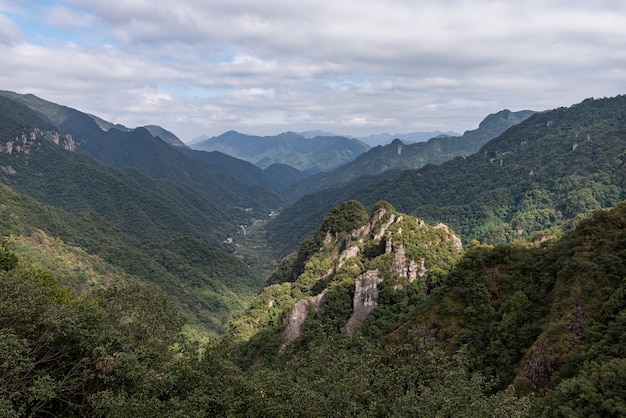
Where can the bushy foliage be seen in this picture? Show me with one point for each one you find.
(546, 317)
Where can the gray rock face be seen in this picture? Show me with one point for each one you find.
(300, 312)
(27, 142)
(293, 322)
(365, 299)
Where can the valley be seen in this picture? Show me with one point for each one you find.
(473, 275)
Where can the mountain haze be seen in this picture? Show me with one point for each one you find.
(312, 155)
(402, 156)
(387, 138)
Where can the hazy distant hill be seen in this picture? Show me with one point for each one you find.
(165, 135)
(312, 155)
(386, 138)
(276, 177)
(401, 156)
(198, 139)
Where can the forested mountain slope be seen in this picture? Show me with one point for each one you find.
(163, 233)
(547, 317)
(139, 205)
(88, 253)
(138, 148)
(338, 276)
(401, 156)
(543, 316)
(276, 177)
(543, 172)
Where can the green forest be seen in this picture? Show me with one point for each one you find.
(523, 329)
(141, 280)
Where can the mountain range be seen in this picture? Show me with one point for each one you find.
(402, 156)
(386, 138)
(540, 173)
(321, 153)
(141, 196)
(475, 275)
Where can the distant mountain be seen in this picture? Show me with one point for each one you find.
(165, 135)
(319, 132)
(401, 156)
(138, 148)
(313, 155)
(386, 138)
(198, 139)
(75, 122)
(276, 177)
(105, 125)
(543, 172)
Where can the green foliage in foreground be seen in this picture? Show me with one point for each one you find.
(547, 317)
(121, 353)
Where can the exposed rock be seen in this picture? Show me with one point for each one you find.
(348, 254)
(365, 299)
(388, 244)
(299, 314)
(317, 301)
(8, 170)
(328, 238)
(383, 229)
(404, 268)
(458, 244)
(27, 142)
(398, 265)
(294, 322)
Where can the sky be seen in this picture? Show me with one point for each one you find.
(352, 67)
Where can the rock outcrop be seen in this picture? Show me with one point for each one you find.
(365, 299)
(27, 142)
(300, 312)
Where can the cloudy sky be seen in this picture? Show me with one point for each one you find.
(353, 67)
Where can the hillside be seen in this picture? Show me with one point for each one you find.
(161, 233)
(403, 156)
(322, 153)
(138, 148)
(276, 177)
(546, 315)
(540, 173)
(108, 295)
(340, 274)
(87, 253)
(543, 316)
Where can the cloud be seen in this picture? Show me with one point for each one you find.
(9, 32)
(353, 67)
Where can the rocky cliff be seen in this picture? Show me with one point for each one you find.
(338, 283)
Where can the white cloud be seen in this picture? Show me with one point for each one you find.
(353, 67)
(9, 32)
